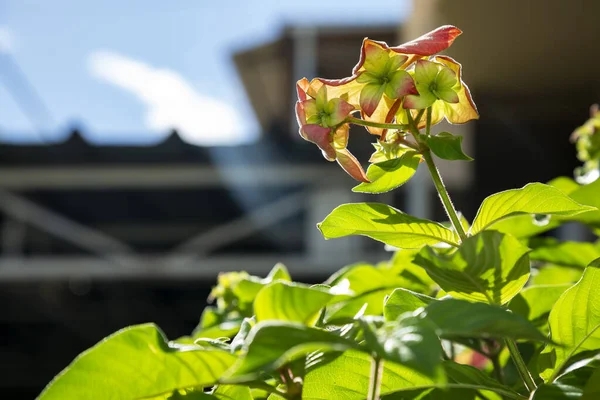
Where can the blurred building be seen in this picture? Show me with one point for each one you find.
(94, 238)
(532, 69)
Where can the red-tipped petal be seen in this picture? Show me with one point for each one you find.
(341, 110)
(370, 96)
(465, 110)
(319, 136)
(300, 114)
(400, 85)
(430, 43)
(350, 164)
(302, 87)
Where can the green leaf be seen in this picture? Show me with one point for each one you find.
(557, 391)
(524, 226)
(402, 264)
(215, 325)
(385, 224)
(434, 394)
(535, 302)
(232, 392)
(565, 184)
(463, 381)
(490, 267)
(571, 254)
(274, 343)
(576, 383)
(360, 278)
(447, 146)
(238, 341)
(370, 286)
(290, 302)
(368, 303)
(468, 376)
(247, 289)
(347, 377)
(402, 301)
(137, 362)
(533, 198)
(390, 174)
(588, 194)
(410, 341)
(184, 395)
(459, 318)
(555, 275)
(574, 323)
(591, 390)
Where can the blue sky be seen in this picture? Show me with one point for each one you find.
(126, 70)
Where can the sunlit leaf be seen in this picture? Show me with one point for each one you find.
(578, 382)
(347, 377)
(385, 224)
(534, 198)
(137, 362)
(490, 267)
(232, 392)
(410, 341)
(290, 302)
(571, 254)
(402, 301)
(447, 146)
(459, 318)
(574, 323)
(369, 285)
(588, 194)
(271, 344)
(555, 275)
(535, 302)
(390, 174)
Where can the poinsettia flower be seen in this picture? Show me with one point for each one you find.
(440, 86)
(321, 122)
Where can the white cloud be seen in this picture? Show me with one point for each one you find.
(7, 40)
(171, 101)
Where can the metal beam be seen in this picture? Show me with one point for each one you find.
(155, 267)
(164, 176)
(71, 231)
(232, 231)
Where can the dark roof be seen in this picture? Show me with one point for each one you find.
(75, 150)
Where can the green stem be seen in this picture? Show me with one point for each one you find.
(358, 121)
(520, 364)
(444, 196)
(428, 126)
(435, 174)
(497, 368)
(376, 375)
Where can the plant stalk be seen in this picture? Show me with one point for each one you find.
(376, 375)
(435, 174)
(428, 126)
(358, 121)
(497, 368)
(444, 196)
(520, 364)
